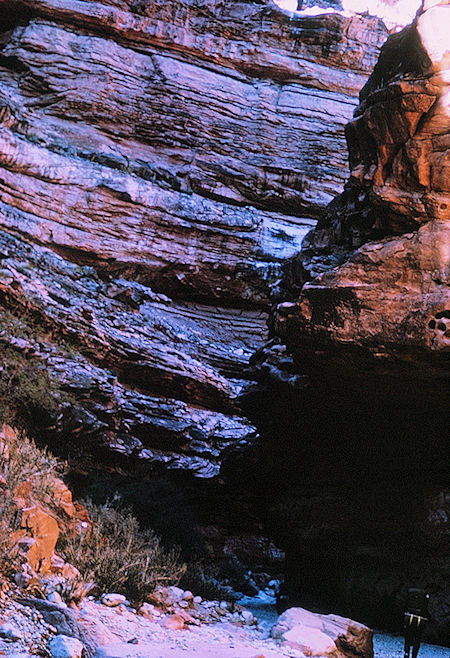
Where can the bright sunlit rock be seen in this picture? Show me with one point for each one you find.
(395, 13)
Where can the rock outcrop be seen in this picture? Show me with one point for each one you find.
(376, 267)
(147, 150)
(323, 635)
(361, 498)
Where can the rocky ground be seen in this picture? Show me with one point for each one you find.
(112, 628)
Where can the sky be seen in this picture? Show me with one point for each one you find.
(399, 13)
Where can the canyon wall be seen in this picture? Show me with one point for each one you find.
(160, 165)
(357, 459)
(158, 162)
(383, 301)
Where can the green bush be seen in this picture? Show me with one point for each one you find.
(119, 556)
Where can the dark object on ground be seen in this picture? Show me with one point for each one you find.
(282, 598)
(416, 616)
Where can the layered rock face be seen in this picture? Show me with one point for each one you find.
(176, 123)
(154, 149)
(159, 162)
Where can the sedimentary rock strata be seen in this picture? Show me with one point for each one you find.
(203, 133)
(376, 268)
(132, 344)
(183, 148)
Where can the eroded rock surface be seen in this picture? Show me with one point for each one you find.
(184, 146)
(361, 493)
(204, 132)
(376, 268)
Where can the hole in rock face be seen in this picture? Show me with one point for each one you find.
(12, 64)
(442, 314)
(14, 15)
(432, 324)
(441, 326)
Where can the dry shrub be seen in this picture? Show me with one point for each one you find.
(22, 460)
(25, 390)
(119, 556)
(203, 579)
(9, 562)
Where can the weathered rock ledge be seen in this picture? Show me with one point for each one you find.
(181, 126)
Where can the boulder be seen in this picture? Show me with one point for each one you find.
(112, 600)
(323, 635)
(63, 646)
(174, 622)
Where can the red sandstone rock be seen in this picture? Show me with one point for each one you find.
(62, 496)
(386, 304)
(44, 529)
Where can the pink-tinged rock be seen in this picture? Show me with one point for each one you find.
(174, 622)
(324, 635)
(181, 126)
(310, 640)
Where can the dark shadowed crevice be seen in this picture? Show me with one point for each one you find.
(14, 15)
(12, 64)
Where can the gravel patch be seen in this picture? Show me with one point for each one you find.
(391, 646)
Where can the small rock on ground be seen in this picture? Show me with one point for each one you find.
(63, 646)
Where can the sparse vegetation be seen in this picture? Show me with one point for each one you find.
(114, 553)
(21, 461)
(119, 556)
(9, 562)
(27, 396)
(25, 389)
